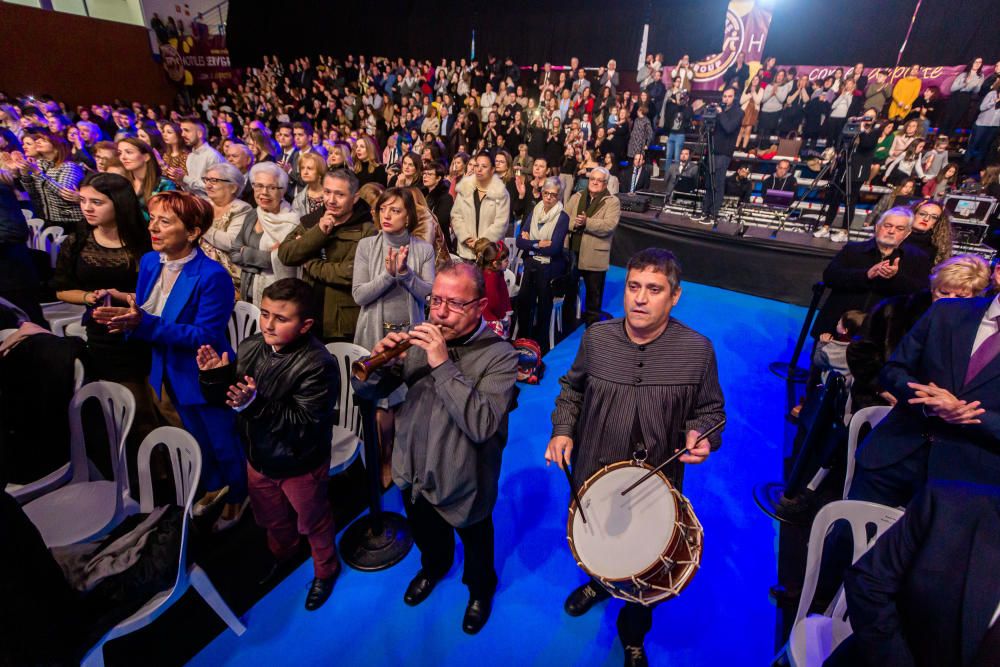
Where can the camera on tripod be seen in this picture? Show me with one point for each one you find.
(854, 126)
(710, 116)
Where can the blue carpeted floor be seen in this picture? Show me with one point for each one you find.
(723, 618)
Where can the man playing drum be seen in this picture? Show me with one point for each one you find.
(640, 388)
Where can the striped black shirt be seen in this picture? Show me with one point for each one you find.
(671, 384)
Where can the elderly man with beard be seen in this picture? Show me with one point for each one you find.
(448, 467)
(651, 386)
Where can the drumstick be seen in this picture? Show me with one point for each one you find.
(676, 454)
(573, 491)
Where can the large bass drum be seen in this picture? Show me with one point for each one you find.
(642, 547)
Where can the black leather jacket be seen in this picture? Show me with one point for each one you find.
(287, 428)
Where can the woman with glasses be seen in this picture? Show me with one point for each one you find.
(255, 250)
(931, 230)
(543, 232)
(223, 184)
(393, 274)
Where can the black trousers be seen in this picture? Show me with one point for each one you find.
(593, 284)
(534, 304)
(893, 486)
(715, 190)
(835, 199)
(634, 623)
(435, 538)
(767, 124)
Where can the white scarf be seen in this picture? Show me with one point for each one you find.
(276, 227)
(541, 230)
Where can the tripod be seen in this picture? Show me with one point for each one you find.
(839, 170)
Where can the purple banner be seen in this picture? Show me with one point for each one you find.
(939, 77)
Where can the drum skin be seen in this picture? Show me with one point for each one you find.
(643, 547)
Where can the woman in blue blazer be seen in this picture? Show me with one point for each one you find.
(184, 300)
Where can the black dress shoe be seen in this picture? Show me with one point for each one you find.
(419, 589)
(635, 656)
(476, 615)
(319, 591)
(583, 598)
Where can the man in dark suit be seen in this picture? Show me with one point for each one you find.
(865, 272)
(945, 375)
(636, 175)
(683, 174)
(727, 126)
(926, 593)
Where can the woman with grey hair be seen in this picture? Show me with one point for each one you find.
(223, 184)
(543, 232)
(255, 248)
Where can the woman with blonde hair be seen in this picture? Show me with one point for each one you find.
(366, 165)
(369, 193)
(312, 169)
(339, 156)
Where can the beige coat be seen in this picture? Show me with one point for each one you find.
(598, 233)
(494, 214)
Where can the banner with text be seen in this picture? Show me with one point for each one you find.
(940, 77)
(198, 60)
(746, 29)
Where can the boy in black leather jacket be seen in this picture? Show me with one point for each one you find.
(284, 386)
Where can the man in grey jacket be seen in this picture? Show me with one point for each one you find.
(450, 434)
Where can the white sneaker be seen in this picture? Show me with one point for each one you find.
(822, 233)
(839, 236)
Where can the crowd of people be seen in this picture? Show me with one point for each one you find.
(368, 201)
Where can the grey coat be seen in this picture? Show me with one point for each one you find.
(452, 427)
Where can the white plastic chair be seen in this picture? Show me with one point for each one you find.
(47, 236)
(35, 226)
(814, 637)
(59, 315)
(28, 215)
(75, 329)
(185, 459)
(83, 509)
(24, 493)
(870, 416)
(346, 444)
(243, 323)
(511, 279)
(555, 320)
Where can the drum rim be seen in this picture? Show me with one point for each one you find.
(649, 569)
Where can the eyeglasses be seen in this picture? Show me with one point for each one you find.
(550, 194)
(209, 180)
(929, 216)
(453, 305)
(260, 187)
(597, 180)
